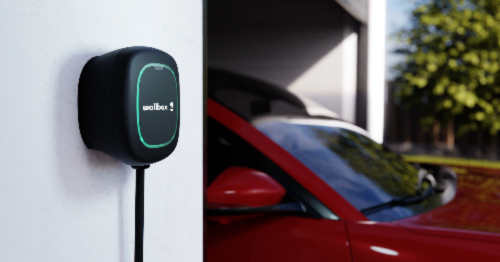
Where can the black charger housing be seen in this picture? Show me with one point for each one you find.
(129, 105)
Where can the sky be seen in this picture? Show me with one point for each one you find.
(398, 17)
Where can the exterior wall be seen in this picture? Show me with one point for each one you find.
(376, 69)
(59, 200)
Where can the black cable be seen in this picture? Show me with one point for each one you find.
(139, 213)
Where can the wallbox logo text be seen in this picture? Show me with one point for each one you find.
(158, 107)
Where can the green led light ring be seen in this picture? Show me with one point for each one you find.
(138, 107)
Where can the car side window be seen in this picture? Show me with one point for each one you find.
(226, 149)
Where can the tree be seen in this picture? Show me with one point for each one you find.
(452, 64)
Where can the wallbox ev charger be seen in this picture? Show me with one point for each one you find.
(129, 108)
(128, 105)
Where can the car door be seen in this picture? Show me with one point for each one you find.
(278, 238)
(309, 236)
(391, 241)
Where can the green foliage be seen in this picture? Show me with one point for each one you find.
(452, 63)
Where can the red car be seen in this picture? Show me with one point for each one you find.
(287, 185)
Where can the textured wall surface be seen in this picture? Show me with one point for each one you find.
(60, 201)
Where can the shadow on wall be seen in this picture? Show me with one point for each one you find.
(85, 175)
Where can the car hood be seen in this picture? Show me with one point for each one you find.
(476, 206)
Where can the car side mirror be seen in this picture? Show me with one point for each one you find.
(241, 191)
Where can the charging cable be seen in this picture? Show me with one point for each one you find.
(139, 212)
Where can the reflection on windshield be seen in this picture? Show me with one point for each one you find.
(363, 172)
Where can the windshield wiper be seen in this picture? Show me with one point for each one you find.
(405, 201)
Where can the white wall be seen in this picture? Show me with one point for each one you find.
(58, 200)
(376, 69)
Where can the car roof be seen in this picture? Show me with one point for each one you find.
(252, 98)
(313, 122)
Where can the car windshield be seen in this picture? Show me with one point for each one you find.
(364, 172)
